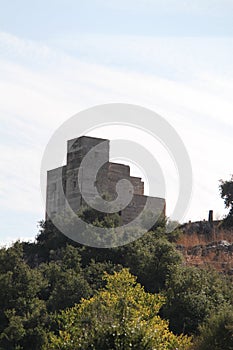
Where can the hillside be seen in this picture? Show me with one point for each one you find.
(55, 293)
(207, 244)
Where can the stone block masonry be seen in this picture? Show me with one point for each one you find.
(62, 183)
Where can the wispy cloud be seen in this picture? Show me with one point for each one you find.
(175, 58)
(41, 86)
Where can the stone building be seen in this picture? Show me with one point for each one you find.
(71, 183)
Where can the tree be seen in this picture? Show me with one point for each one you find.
(217, 332)
(151, 260)
(27, 295)
(193, 295)
(66, 284)
(121, 316)
(226, 191)
(95, 271)
(23, 316)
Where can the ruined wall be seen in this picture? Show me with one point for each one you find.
(207, 244)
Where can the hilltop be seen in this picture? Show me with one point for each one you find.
(207, 244)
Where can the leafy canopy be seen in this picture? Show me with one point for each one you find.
(226, 191)
(121, 316)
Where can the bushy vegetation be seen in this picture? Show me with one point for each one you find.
(226, 191)
(120, 316)
(57, 294)
(217, 332)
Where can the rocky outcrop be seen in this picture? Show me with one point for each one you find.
(206, 244)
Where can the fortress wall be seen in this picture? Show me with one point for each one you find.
(137, 205)
(78, 148)
(138, 185)
(55, 188)
(105, 182)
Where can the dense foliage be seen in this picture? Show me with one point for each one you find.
(217, 332)
(226, 191)
(55, 284)
(120, 316)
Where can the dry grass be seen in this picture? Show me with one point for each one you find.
(220, 259)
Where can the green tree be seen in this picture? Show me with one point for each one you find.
(226, 191)
(65, 281)
(94, 273)
(49, 239)
(23, 316)
(121, 316)
(193, 295)
(151, 259)
(217, 332)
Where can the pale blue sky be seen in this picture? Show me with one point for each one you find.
(59, 57)
(44, 20)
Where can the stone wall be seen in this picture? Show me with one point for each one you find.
(108, 175)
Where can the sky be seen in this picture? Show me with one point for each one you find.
(60, 57)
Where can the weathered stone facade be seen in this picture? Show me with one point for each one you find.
(64, 185)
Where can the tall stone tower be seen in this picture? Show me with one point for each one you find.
(71, 183)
